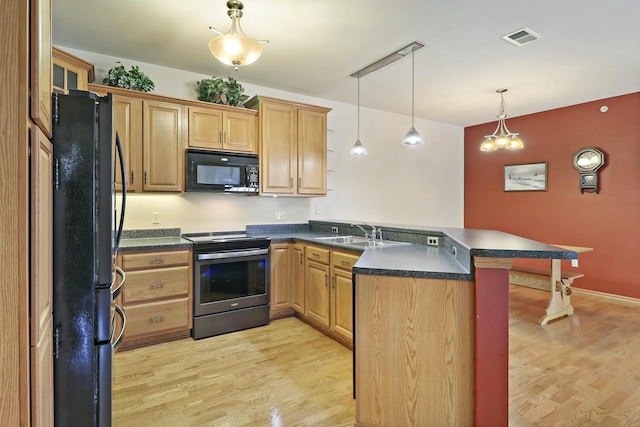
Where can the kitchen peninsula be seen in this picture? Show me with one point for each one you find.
(431, 323)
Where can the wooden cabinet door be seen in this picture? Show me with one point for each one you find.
(312, 152)
(41, 279)
(163, 146)
(127, 119)
(342, 304)
(280, 280)
(239, 132)
(277, 150)
(41, 71)
(317, 293)
(297, 278)
(205, 128)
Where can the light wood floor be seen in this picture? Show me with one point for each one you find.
(578, 371)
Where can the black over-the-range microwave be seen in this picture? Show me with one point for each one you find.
(219, 172)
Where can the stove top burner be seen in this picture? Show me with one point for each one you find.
(220, 237)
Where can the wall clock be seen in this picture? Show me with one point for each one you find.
(587, 161)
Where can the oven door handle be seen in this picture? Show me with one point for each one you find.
(232, 254)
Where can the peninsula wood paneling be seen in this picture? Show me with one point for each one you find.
(414, 351)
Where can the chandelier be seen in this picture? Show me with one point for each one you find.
(502, 137)
(234, 47)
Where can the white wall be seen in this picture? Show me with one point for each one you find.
(395, 184)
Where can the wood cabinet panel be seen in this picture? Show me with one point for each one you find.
(70, 72)
(164, 135)
(239, 131)
(146, 285)
(41, 68)
(41, 279)
(280, 280)
(297, 278)
(155, 317)
(278, 149)
(42, 380)
(136, 261)
(317, 254)
(205, 128)
(127, 119)
(312, 152)
(317, 293)
(342, 304)
(41, 235)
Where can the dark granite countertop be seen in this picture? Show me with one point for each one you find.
(452, 259)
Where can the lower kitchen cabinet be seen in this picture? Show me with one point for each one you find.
(156, 296)
(341, 323)
(297, 278)
(316, 286)
(280, 280)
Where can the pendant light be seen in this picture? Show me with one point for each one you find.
(413, 136)
(358, 149)
(501, 137)
(234, 47)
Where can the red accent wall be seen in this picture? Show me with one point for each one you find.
(608, 222)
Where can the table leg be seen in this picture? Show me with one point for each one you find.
(560, 302)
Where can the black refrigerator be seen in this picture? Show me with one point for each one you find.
(87, 226)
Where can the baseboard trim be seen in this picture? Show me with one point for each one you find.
(618, 299)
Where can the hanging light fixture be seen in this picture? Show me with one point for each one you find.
(501, 137)
(413, 136)
(358, 149)
(234, 47)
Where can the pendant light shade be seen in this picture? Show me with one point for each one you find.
(358, 149)
(234, 47)
(413, 136)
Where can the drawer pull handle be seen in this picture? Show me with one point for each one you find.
(235, 304)
(315, 255)
(157, 261)
(157, 285)
(343, 262)
(157, 318)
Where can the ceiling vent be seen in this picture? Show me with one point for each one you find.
(522, 36)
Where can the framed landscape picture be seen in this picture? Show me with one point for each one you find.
(526, 177)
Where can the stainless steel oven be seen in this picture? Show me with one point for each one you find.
(230, 283)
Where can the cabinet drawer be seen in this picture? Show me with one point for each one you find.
(155, 259)
(147, 319)
(343, 260)
(318, 254)
(158, 283)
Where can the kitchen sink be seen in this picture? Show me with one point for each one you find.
(360, 242)
(350, 240)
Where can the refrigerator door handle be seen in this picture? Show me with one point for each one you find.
(124, 191)
(120, 312)
(123, 277)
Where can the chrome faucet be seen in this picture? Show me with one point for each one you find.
(372, 235)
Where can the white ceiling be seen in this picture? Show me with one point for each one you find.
(590, 49)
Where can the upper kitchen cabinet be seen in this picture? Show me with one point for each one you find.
(70, 72)
(163, 137)
(219, 129)
(293, 147)
(40, 45)
(127, 119)
(153, 133)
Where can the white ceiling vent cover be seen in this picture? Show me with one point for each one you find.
(522, 36)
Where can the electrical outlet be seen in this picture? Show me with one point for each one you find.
(334, 230)
(574, 263)
(433, 241)
(455, 252)
(281, 215)
(317, 209)
(155, 217)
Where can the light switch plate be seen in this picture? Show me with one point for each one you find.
(574, 263)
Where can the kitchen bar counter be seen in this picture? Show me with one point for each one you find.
(152, 239)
